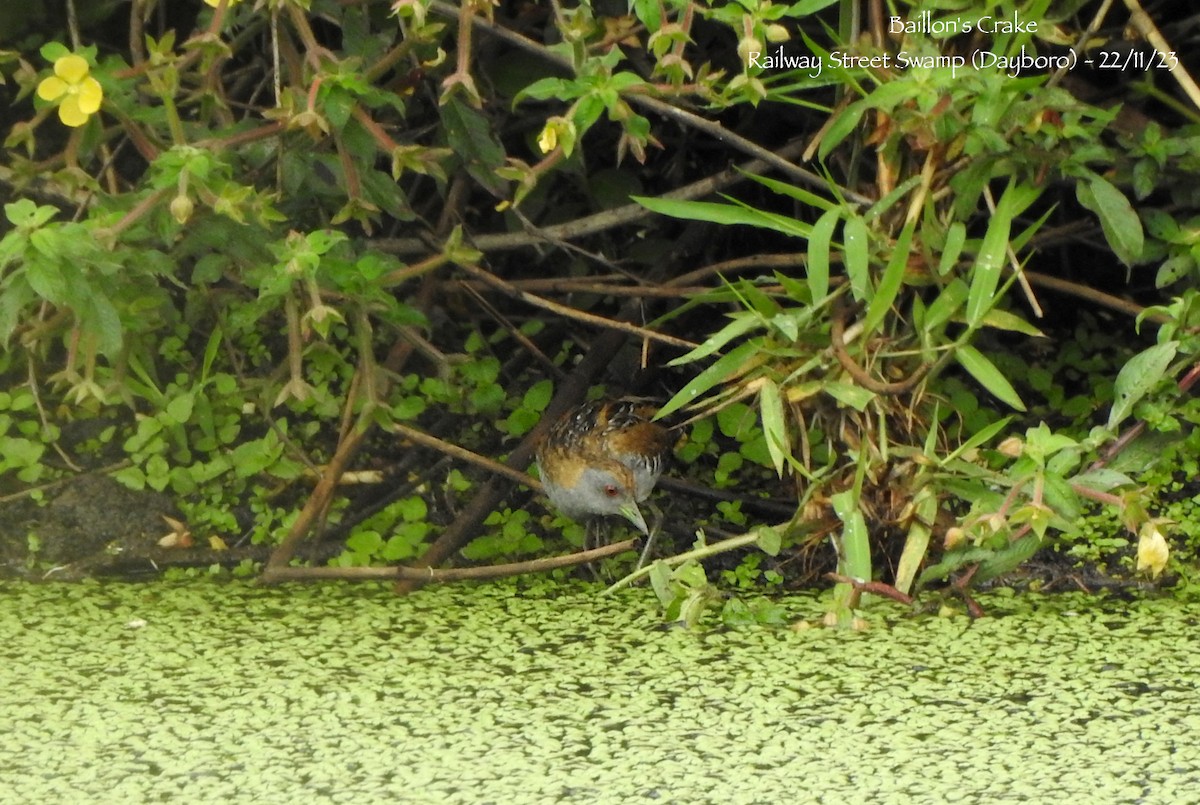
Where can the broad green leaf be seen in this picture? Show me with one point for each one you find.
(847, 120)
(1137, 377)
(791, 191)
(27, 215)
(857, 245)
(769, 540)
(985, 275)
(1060, 497)
(729, 366)
(856, 560)
(101, 318)
(956, 236)
(179, 409)
(469, 133)
(916, 544)
(942, 309)
(818, 253)
(805, 7)
(47, 280)
(1003, 320)
(1103, 479)
(538, 396)
(982, 436)
(774, 424)
(849, 394)
(546, 88)
(726, 214)
(1008, 559)
(988, 376)
(1121, 225)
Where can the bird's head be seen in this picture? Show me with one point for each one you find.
(601, 488)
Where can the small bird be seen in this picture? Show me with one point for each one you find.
(603, 458)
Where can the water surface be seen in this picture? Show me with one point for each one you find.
(225, 693)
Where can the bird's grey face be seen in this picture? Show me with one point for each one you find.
(610, 492)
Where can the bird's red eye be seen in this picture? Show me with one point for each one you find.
(611, 490)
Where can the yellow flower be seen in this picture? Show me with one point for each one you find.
(1152, 550)
(215, 3)
(78, 94)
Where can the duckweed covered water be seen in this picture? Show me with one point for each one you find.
(207, 693)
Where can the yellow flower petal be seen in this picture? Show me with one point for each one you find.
(90, 95)
(52, 88)
(71, 68)
(548, 139)
(70, 113)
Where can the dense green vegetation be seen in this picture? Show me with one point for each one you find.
(251, 250)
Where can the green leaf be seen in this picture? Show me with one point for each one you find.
(916, 543)
(743, 322)
(338, 106)
(1003, 320)
(793, 192)
(180, 408)
(53, 51)
(102, 320)
(956, 236)
(849, 394)
(46, 279)
(1121, 225)
(727, 214)
(806, 7)
(769, 540)
(774, 424)
(470, 135)
(890, 282)
(988, 376)
(1137, 377)
(985, 276)
(846, 121)
(728, 366)
(857, 245)
(1008, 559)
(1103, 479)
(980, 437)
(538, 396)
(27, 215)
(547, 88)
(818, 253)
(946, 305)
(856, 557)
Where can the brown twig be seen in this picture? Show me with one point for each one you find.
(1146, 27)
(591, 224)
(874, 587)
(837, 333)
(572, 313)
(514, 332)
(599, 287)
(1093, 295)
(463, 454)
(426, 575)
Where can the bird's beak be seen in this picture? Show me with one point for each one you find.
(634, 515)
